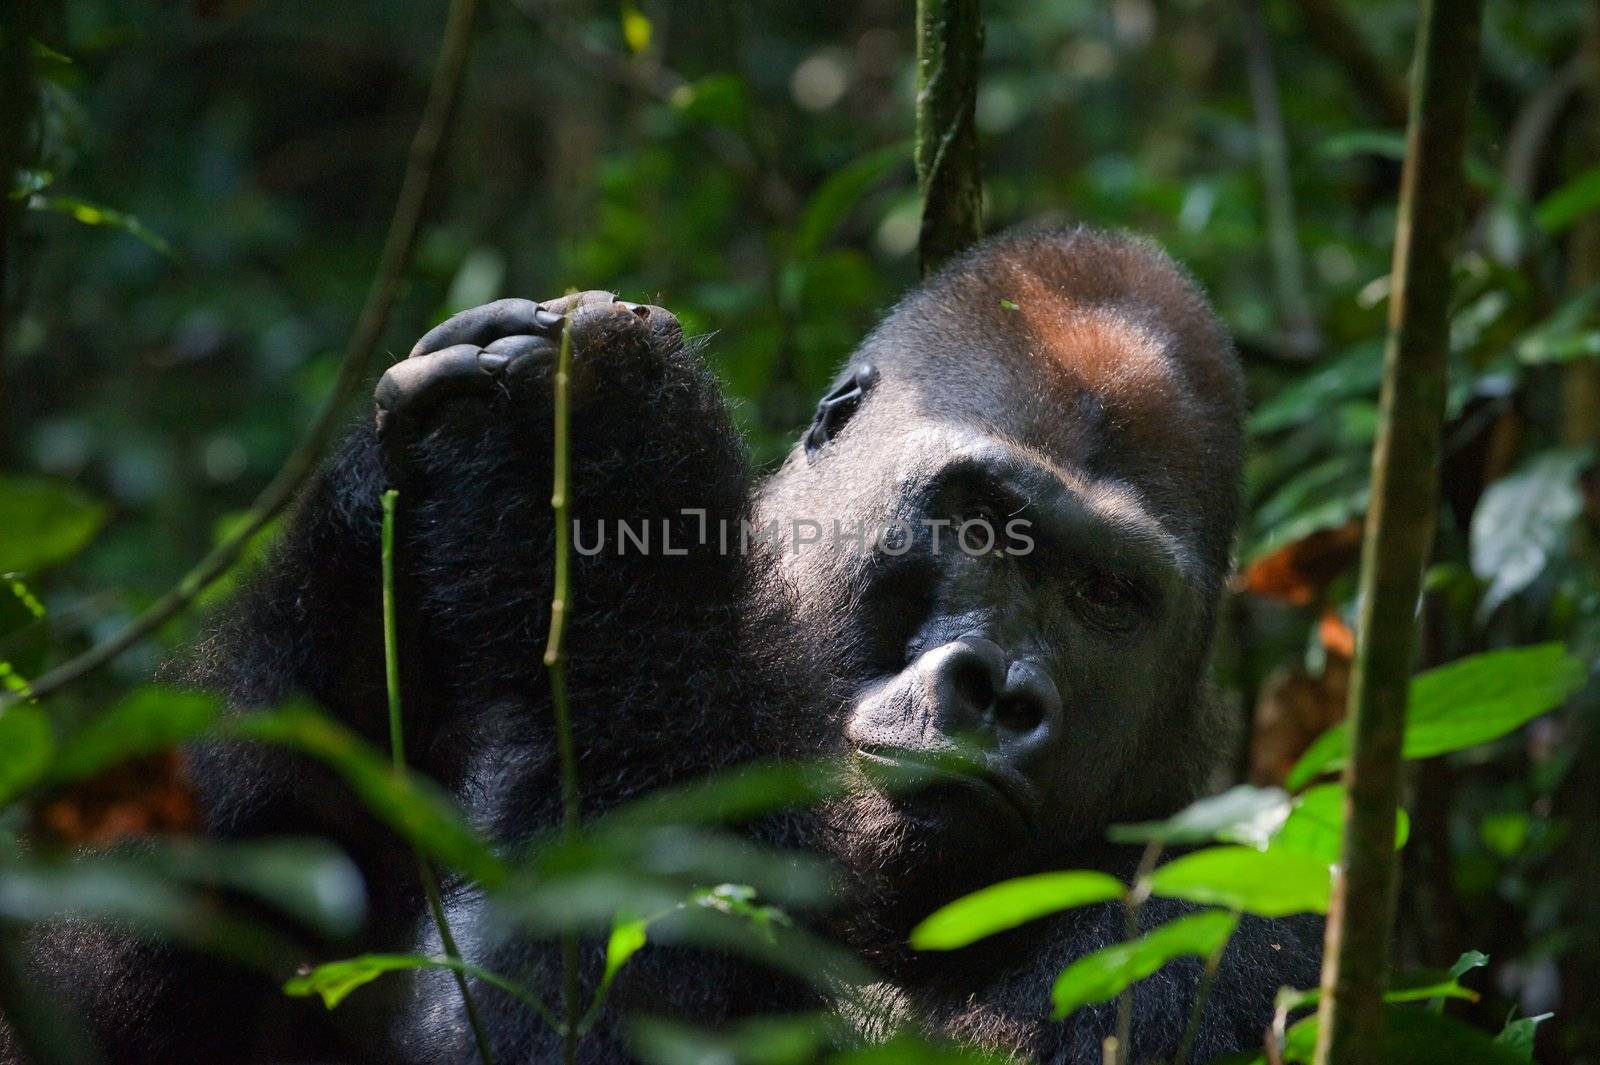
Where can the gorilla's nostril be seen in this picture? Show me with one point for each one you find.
(973, 683)
(1018, 714)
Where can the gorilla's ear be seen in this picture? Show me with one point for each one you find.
(836, 408)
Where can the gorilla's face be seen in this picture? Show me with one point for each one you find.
(1005, 520)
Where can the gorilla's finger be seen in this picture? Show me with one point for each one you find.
(505, 354)
(411, 384)
(480, 325)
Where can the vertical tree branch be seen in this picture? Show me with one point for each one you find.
(949, 42)
(1272, 144)
(1399, 529)
(555, 660)
(397, 752)
(426, 151)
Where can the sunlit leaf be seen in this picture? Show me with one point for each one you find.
(1523, 521)
(1271, 883)
(1102, 976)
(1464, 704)
(334, 981)
(1415, 1037)
(1315, 825)
(26, 744)
(636, 28)
(43, 523)
(1242, 814)
(1010, 903)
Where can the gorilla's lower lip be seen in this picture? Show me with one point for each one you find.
(993, 784)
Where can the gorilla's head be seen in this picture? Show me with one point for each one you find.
(1011, 518)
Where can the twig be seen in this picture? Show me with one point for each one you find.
(1138, 891)
(1202, 995)
(421, 166)
(397, 751)
(1288, 265)
(1399, 530)
(949, 42)
(555, 660)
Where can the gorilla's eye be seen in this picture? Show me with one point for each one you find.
(1108, 601)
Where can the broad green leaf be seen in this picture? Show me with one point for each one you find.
(335, 980)
(1415, 1037)
(1569, 333)
(43, 523)
(1568, 204)
(843, 189)
(1464, 704)
(1523, 522)
(1010, 903)
(1354, 373)
(149, 719)
(1242, 814)
(411, 805)
(1102, 976)
(1271, 883)
(26, 744)
(1315, 825)
(1518, 1034)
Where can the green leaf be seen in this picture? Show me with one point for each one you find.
(1415, 1037)
(1523, 522)
(1518, 1034)
(627, 938)
(26, 744)
(309, 879)
(414, 807)
(1464, 704)
(1570, 203)
(1315, 825)
(149, 719)
(636, 28)
(1102, 976)
(91, 214)
(796, 1040)
(1354, 373)
(1469, 960)
(843, 189)
(1010, 903)
(1242, 814)
(335, 980)
(24, 638)
(1271, 883)
(43, 523)
(908, 1048)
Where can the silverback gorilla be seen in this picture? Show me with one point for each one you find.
(1040, 451)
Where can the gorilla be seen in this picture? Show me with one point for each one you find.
(1005, 534)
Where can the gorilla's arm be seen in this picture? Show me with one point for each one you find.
(466, 432)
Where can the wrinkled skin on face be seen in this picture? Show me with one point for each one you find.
(1046, 442)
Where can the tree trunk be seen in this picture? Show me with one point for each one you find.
(949, 41)
(1400, 526)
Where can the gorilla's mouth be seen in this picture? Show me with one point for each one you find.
(939, 789)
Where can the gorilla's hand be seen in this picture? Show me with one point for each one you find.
(487, 348)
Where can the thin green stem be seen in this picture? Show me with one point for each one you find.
(555, 660)
(1191, 1029)
(1138, 891)
(397, 750)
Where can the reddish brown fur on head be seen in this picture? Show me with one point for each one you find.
(1096, 349)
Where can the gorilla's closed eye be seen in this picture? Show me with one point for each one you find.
(836, 408)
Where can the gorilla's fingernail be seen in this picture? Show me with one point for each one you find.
(493, 361)
(546, 319)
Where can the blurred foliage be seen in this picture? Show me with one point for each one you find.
(198, 209)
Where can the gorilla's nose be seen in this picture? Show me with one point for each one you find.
(983, 692)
